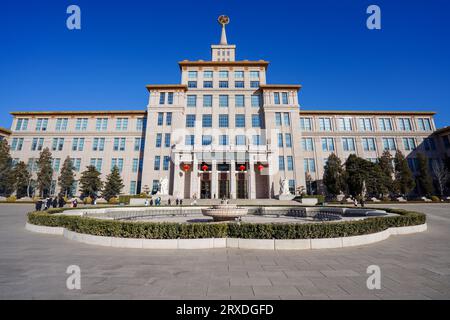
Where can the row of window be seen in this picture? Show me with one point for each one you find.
(223, 84)
(98, 144)
(160, 120)
(223, 74)
(81, 124)
(224, 140)
(365, 124)
(224, 100)
(239, 121)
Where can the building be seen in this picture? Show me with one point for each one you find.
(223, 131)
(4, 133)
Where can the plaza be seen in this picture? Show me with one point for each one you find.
(33, 266)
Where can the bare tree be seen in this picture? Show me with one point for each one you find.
(441, 175)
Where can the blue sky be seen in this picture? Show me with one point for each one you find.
(323, 45)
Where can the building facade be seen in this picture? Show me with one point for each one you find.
(223, 131)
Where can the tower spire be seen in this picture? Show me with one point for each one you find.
(223, 51)
(223, 20)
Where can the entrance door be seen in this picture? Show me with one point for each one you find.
(224, 186)
(241, 187)
(205, 189)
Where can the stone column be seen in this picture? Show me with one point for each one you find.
(251, 178)
(233, 179)
(194, 178)
(214, 180)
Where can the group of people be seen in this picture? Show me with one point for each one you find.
(47, 203)
(157, 202)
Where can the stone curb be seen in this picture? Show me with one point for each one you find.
(214, 243)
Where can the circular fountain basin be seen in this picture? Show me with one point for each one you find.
(224, 212)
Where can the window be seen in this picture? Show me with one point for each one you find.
(288, 139)
(309, 165)
(254, 74)
(278, 118)
(121, 124)
(348, 144)
(162, 98)
(285, 97)
(170, 98)
(324, 124)
(307, 144)
(132, 187)
(280, 140)
(192, 74)
(345, 124)
(97, 163)
(190, 121)
(81, 124)
(101, 124)
(207, 74)
(117, 162)
(98, 144)
(37, 144)
(281, 163)
(292, 186)
(160, 118)
(207, 84)
(139, 124)
(385, 124)
(22, 124)
(168, 118)
(77, 144)
(119, 144)
(192, 84)
(290, 163)
(207, 121)
(389, 144)
(223, 120)
(223, 84)
(155, 185)
(57, 144)
(239, 84)
(17, 144)
(365, 124)
(240, 121)
(240, 140)
(76, 164)
(276, 97)
(327, 144)
(137, 144)
(223, 100)
(41, 124)
(157, 163)
(191, 100)
(32, 165)
(424, 124)
(223, 74)
(255, 100)
(254, 84)
(305, 124)
(167, 140)
(206, 140)
(256, 121)
(239, 74)
(61, 124)
(404, 124)
(158, 140)
(256, 140)
(369, 144)
(239, 100)
(429, 144)
(287, 119)
(409, 144)
(207, 100)
(189, 140)
(223, 140)
(56, 162)
(166, 163)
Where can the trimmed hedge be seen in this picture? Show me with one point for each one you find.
(165, 230)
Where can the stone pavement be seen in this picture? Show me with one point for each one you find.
(33, 266)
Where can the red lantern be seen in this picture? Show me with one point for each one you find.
(242, 167)
(260, 167)
(186, 167)
(204, 167)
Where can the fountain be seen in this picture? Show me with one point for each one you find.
(224, 211)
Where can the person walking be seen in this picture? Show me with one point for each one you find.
(169, 202)
(55, 202)
(61, 201)
(177, 201)
(38, 205)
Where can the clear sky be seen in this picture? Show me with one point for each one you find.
(323, 45)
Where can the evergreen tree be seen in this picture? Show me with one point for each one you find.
(22, 179)
(90, 182)
(404, 179)
(376, 180)
(387, 169)
(424, 179)
(67, 177)
(113, 185)
(333, 176)
(6, 170)
(356, 174)
(45, 172)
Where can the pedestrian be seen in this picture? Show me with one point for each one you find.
(181, 202)
(55, 202)
(177, 201)
(151, 202)
(75, 203)
(38, 205)
(355, 202)
(146, 202)
(61, 201)
(169, 202)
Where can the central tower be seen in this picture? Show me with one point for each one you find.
(223, 51)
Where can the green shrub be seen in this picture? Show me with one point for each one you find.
(87, 200)
(435, 199)
(113, 200)
(11, 199)
(153, 230)
(126, 198)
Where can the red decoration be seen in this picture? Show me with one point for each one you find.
(260, 167)
(204, 167)
(186, 167)
(242, 167)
